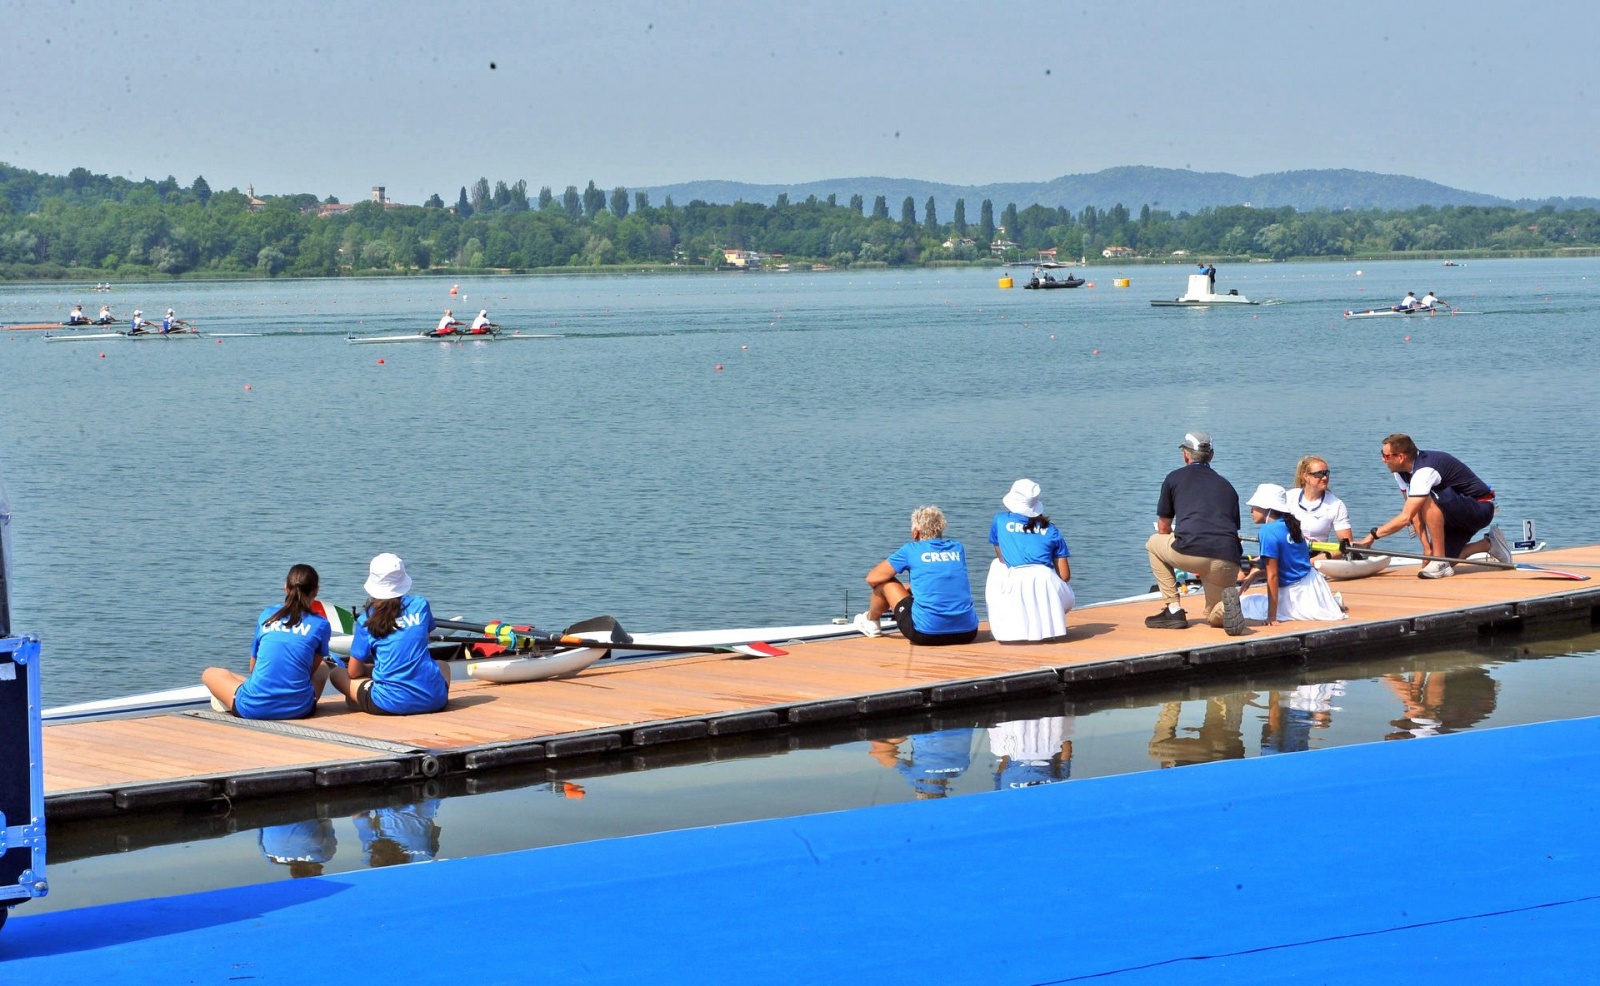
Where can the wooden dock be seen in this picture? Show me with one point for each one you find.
(129, 765)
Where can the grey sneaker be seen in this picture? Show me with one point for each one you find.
(867, 626)
(1168, 620)
(1437, 570)
(1498, 548)
(1232, 614)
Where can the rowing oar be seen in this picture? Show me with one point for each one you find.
(511, 638)
(1351, 549)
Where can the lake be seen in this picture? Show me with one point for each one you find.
(738, 450)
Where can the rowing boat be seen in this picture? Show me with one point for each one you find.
(452, 337)
(1390, 312)
(174, 334)
(558, 663)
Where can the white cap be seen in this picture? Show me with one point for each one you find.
(1023, 498)
(387, 578)
(1270, 496)
(169, 311)
(484, 312)
(137, 312)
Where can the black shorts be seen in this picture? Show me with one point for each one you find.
(1464, 517)
(363, 700)
(908, 630)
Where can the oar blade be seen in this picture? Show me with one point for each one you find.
(759, 649)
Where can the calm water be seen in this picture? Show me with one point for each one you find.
(160, 493)
(966, 752)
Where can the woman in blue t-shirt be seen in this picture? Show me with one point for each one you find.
(390, 671)
(1027, 592)
(1295, 590)
(287, 668)
(937, 607)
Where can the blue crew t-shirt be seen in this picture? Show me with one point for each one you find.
(404, 677)
(941, 595)
(279, 686)
(1294, 560)
(1020, 547)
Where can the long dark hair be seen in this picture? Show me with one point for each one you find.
(1292, 523)
(1036, 524)
(382, 614)
(299, 592)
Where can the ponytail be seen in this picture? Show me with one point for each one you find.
(299, 593)
(1293, 523)
(1036, 525)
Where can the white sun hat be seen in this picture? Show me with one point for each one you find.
(387, 578)
(1023, 498)
(1270, 496)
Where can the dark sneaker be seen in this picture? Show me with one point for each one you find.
(1168, 620)
(1232, 614)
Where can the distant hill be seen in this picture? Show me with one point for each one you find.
(1170, 189)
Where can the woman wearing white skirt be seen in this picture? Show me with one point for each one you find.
(1295, 590)
(1027, 592)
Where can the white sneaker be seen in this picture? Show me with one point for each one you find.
(1437, 570)
(867, 626)
(1498, 548)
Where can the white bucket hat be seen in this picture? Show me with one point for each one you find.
(1023, 498)
(1270, 496)
(387, 578)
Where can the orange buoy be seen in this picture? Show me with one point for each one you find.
(380, 360)
(246, 386)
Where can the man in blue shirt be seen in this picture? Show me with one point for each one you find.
(1197, 530)
(1446, 504)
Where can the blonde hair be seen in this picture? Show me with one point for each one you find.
(1304, 466)
(929, 521)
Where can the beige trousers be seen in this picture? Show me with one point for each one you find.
(1214, 574)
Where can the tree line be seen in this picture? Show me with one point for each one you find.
(82, 224)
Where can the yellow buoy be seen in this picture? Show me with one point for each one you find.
(1122, 282)
(1005, 281)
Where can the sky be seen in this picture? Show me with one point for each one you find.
(337, 96)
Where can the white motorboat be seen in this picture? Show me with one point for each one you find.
(1200, 295)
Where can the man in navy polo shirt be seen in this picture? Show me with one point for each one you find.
(1197, 530)
(1446, 504)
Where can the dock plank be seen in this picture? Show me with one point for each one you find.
(110, 754)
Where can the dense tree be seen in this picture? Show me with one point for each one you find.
(547, 198)
(880, 207)
(201, 190)
(960, 218)
(908, 212)
(857, 203)
(572, 202)
(930, 217)
(641, 201)
(481, 197)
(986, 221)
(594, 201)
(463, 207)
(434, 202)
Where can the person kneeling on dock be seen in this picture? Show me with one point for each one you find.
(1295, 590)
(1197, 530)
(1027, 592)
(1446, 504)
(937, 607)
(287, 669)
(390, 671)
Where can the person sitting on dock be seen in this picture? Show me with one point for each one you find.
(1197, 530)
(77, 317)
(1446, 504)
(447, 324)
(481, 326)
(936, 609)
(105, 317)
(1295, 590)
(1027, 592)
(287, 658)
(390, 671)
(1322, 516)
(1408, 303)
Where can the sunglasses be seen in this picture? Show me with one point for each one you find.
(1319, 474)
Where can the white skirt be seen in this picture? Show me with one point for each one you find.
(1309, 599)
(1029, 602)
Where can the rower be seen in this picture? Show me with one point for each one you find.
(1430, 301)
(105, 317)
(481, 326)
(137, 328)
(77, 317)
(169, 323)
(1407, 303)
(447, 324)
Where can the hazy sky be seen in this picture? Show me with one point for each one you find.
(334, 97)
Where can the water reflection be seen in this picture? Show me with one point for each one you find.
(304, 847)
(940, 753)
(1441, 701)
(403, 834)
